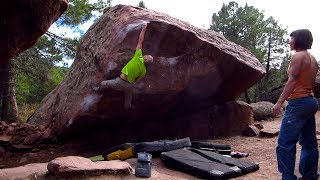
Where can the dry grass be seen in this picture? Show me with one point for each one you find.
(26, 111)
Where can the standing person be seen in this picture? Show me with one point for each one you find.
(298, 123)
(134, 70)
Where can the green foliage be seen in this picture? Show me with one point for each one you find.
(35, 71)
(242, 25)
(265, 38)
(141, 4)
(277, 44)
(35, 77)
(80, 11)
(57, 74)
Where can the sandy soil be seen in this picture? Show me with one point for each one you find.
(261, 150)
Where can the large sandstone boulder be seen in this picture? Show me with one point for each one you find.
(22, 22)
(263, 110)
(193, 69)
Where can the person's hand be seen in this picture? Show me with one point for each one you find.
(276, 108)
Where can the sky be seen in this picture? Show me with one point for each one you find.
(291, 14)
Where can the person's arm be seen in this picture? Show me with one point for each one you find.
(141, 37)
(294, 70)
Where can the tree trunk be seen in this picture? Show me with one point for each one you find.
(5, 91)
(13, 102)
(268, 59)
(246, 95)
(258, 95)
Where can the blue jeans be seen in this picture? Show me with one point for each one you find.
(298, 124)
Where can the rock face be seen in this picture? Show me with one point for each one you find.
(226, 119)
(22, 22)
(193, 69)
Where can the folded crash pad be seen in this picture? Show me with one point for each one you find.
(244, 165)
(200, 144)
(197, 165)
(157, 147)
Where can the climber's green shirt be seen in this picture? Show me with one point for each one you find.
(135, 68)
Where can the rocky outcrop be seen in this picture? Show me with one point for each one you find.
(23, 137)
(193, 69)
(22, 22)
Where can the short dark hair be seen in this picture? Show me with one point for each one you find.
(302, 39)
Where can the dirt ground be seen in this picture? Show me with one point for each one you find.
(261, 150)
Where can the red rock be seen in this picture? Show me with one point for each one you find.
(11, 130)
(193, 69)
(251, 131)
(41, 128)
(17, 139)
(258, 125)
(23, 133)
(5, 137)
(14, 124)
(33, 138)
(47, 134)
(24, 172)
(23, 22)
(72, 166)
(3, 123)
(269, 133)
(22, 146)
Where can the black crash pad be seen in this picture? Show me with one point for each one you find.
(244, 165)
(197, 165)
